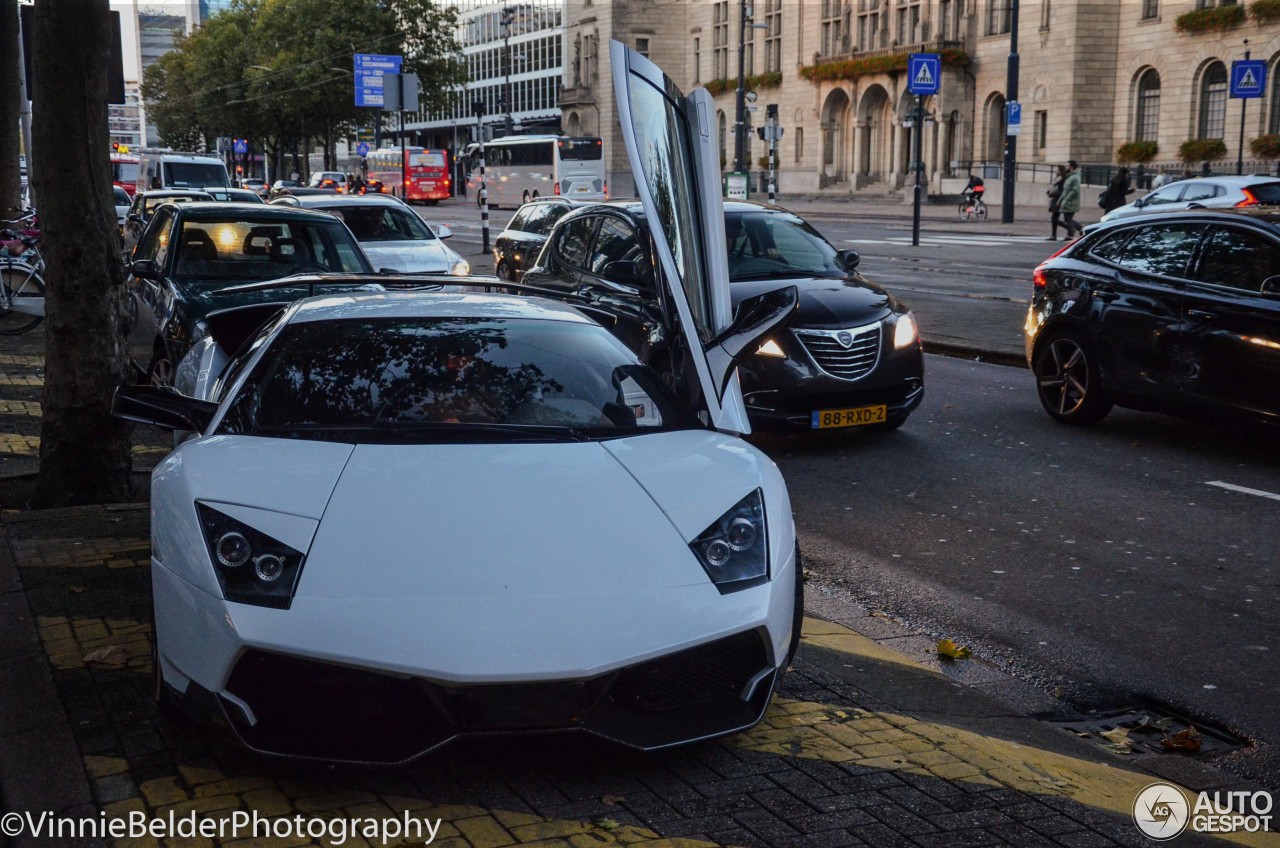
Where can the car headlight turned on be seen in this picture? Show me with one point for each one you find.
(734, 550)
(905, 332)
(461, 268)
(252, 567)
(770, 348)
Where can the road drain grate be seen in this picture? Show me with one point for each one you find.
(1152, 729)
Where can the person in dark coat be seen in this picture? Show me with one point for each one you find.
(1117, 191)
(1055, 192)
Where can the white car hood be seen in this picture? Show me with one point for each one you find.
(410, 257)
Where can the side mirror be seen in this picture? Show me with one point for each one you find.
(133, 217)
(144, 269)
(755, 318)
(849, 258)
(1139, 203)
(442, 231)
(1271, 287)
(623, 271)
(162, 408)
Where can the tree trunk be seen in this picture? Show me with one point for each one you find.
(10, 110)
(84, 452)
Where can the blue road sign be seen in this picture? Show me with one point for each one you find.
(239, 145)
(362, 149)
(368, 73)
(1248, 78)
(924, 73)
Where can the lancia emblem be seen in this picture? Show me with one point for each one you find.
(845, 337)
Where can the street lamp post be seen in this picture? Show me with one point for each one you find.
(1011, 141)
(740, 101)
(508, 17)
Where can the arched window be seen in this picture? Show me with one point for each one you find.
(1147, 127)
(1213, 102)
(1273, 122)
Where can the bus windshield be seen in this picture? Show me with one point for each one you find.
(430, 159)
(581, 149)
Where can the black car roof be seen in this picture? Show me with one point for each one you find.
(205, 211)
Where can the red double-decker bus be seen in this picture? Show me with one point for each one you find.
(427, 171)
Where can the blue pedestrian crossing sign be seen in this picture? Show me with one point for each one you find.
(924, 73)
(1248, 78)
(362, 149)
(239, 145)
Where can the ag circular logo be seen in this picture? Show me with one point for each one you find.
(1161, 811)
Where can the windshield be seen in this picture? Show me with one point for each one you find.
(150, 203)
(239, 251)
(126, 172)
(431, 159)
(449, 379)
(382, 223)
(195, 174)
(777, 244)
(122, 197)
(581, 149)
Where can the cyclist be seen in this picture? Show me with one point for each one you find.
(973, 189)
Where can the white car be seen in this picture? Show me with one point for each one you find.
(406, 517)
(390, 232)
(123, 202)
(1203, 193)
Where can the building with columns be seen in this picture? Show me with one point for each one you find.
(1095, 74)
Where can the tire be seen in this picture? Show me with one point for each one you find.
(797, 615)
(980, 211)
(964, 210)
(160, 371)
(504, 272)
(1068, 381)
(14, 280)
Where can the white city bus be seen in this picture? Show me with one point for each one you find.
(522, 167)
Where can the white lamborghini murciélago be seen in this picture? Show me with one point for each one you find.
(401, 517)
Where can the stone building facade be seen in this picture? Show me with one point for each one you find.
(1094, 74)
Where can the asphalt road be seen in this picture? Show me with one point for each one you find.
(1103, 562)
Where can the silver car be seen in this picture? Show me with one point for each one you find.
(390, 233)
(1203, 193)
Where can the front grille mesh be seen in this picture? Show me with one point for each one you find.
(846, 363)
(698, 675)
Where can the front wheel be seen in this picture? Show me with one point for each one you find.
(160, 372)
(18, 282)
(504, 271)
(980, 210)
(1068, 381)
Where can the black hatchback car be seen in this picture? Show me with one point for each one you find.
(517, 246)
(1177, 312)
(850, 356)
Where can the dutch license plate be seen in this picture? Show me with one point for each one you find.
(857, 416)
(583, 189)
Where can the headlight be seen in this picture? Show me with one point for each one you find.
(252, 567)
(735, 549)
(770, 348)
(461, 268)
(905, 333)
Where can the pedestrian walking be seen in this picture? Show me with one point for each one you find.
(1116, 192)
(1069, 201)
(1055, 195)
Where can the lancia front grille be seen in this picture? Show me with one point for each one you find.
(844, 354)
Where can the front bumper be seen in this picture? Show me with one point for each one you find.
(293, 707)
(784, 392)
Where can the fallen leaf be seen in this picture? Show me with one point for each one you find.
(1119, 749)
(1186, 740)
(612, 800)
(1147, 724)
(76, 589)
(950, 650)
(607, 824)
(1082, 733)
(112, 656)
(1118, 737)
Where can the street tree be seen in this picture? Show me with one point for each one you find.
(84, 452)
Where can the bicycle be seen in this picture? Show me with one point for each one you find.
(21, 277)
(972, 208)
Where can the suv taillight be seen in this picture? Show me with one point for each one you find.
(1249, 198)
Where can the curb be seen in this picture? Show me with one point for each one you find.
(958, 351)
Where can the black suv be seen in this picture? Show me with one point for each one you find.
(1176, 312)
(518, 245)
(850, 356)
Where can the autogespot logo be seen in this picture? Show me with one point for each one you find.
(1161, 811)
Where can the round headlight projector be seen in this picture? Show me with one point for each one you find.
(742, 534)
(233, 549)
(268, 567)
(717, 552)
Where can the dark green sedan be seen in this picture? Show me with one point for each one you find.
(189, 252)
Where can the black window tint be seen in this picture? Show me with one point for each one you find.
(1110, 246)
(1164, 249)
(613, 240)
(1239, 259)
(520, 220)
(1202, 191)
(575, 241)
(1266, 192)
(555, 211)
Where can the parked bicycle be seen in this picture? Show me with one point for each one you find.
(21, 276)
(972, 207)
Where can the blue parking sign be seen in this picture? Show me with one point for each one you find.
(1248, 78)
(924, 73)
